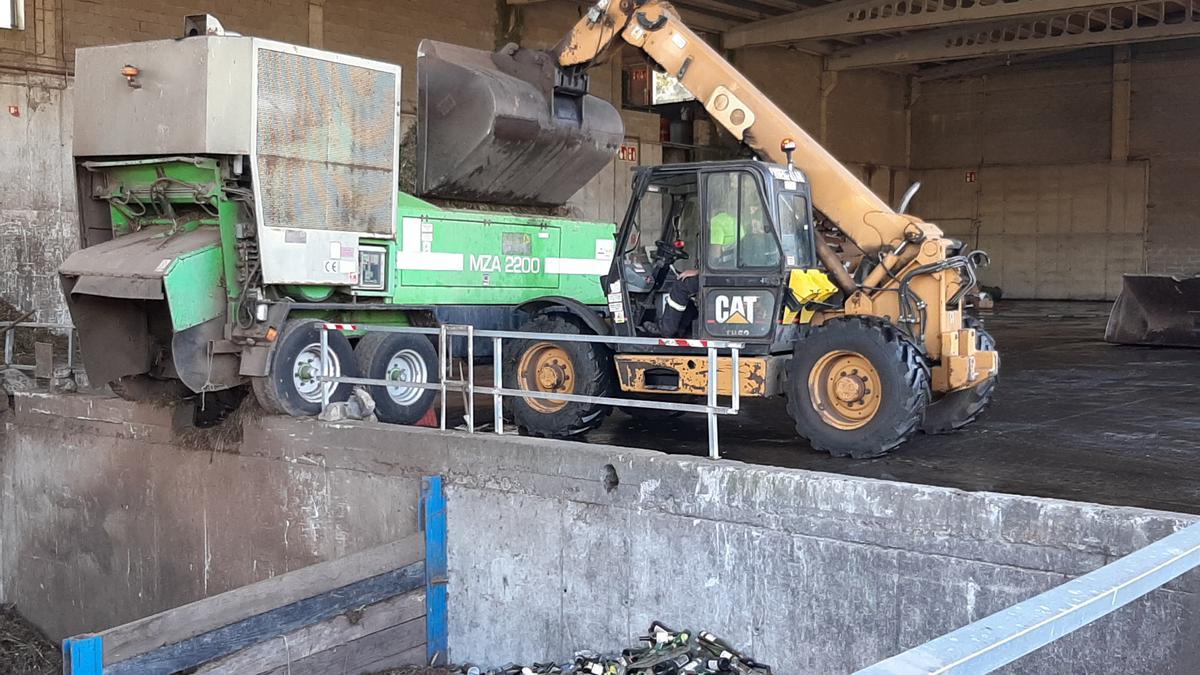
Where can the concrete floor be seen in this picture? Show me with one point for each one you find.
(1073, 417)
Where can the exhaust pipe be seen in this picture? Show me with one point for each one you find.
(507, 127)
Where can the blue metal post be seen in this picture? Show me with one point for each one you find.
(433, 503)
(83, 655)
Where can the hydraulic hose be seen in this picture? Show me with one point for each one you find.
(833, 265)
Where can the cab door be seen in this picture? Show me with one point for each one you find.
(742, 259)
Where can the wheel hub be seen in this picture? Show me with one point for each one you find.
(546, 367)
(850, 387)
(307, 368)
(406, 365)
(845, 389)
(551, 376)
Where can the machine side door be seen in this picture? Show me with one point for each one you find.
(663, 204)
(742, 259)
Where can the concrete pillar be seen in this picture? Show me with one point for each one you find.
(829, 80)
(1121, 95)
(316, 24)
(46, 28)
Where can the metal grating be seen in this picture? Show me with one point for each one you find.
(326, 144)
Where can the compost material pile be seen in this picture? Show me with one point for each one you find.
(23, 648)
(662, 651)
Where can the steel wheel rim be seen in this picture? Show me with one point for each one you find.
(546, 367)
(406, 365)
(306, 368)
(845, 389)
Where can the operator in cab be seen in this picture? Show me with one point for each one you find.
(723, 238)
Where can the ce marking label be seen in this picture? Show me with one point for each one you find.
(333, 267)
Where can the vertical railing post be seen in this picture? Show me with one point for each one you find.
(714, 449)
(8, 344)
(737, 380)
(71, 349)
(442, 370)
(497, 383)
(471, 379)
(326, 367)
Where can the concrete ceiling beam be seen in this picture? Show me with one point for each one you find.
(1068, 30)
(866, 17)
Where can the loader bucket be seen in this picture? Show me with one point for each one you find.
(507, 127)
(1156, 310)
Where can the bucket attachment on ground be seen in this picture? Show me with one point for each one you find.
(507, 127)
(1157, 310)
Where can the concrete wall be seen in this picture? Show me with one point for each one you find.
(105, 516)
(37, 190)
(1084, 199)
(860, 116)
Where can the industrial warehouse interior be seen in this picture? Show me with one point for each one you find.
(624, 337)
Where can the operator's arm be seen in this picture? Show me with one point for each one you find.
(736, 104)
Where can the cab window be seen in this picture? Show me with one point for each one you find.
(739, 228)
(794, 224)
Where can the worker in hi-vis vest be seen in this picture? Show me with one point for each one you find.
(680, 309)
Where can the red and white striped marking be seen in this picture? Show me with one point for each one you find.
(703, 344)
(340, 326)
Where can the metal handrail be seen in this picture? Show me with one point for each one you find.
(712, 409)
(1010, 634)
(10, 331)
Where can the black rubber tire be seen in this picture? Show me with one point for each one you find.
(594, 376)
(374, 351)
(904, 378)
(144, 388)
(277, 392)
(957, 409)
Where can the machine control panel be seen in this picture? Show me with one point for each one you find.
(372, 268)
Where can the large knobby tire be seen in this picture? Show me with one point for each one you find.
(579, 368)
(289, 387)
(959, 408)
(144, 388)
(857, 387)
(402, 358)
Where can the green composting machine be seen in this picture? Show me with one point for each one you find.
(234, 192)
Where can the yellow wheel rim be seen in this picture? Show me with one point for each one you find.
(845, 390)
(546, 367)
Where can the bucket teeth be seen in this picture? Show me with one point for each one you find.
(507, 127)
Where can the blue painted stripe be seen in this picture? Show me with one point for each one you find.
(83, 655)
(437, 629)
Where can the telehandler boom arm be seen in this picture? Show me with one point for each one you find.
(735, 103)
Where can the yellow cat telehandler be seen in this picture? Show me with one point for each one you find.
(849, 308)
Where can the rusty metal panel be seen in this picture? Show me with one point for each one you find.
(327, 137)
(758, 376)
